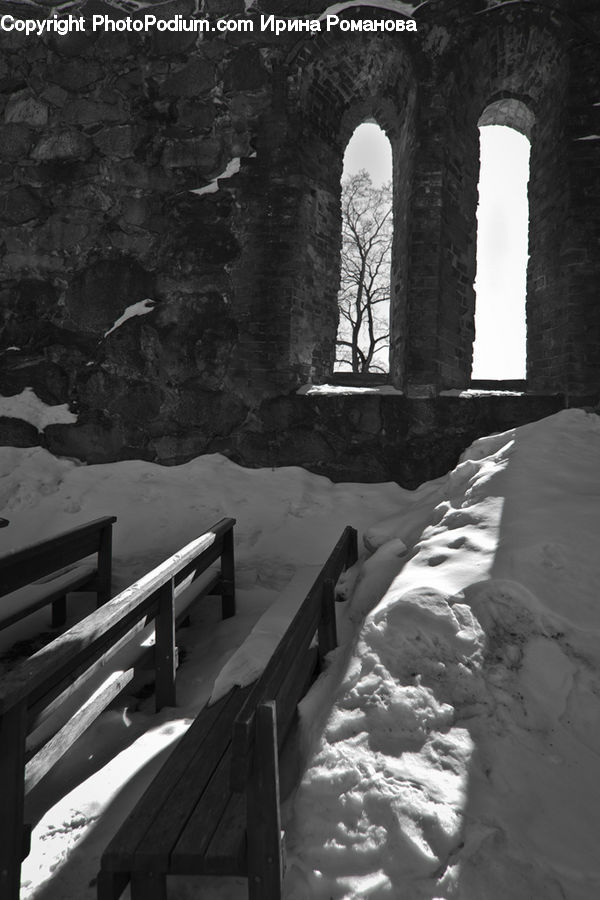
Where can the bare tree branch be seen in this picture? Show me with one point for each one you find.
(367, 232)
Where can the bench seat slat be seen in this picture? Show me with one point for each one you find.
(119, 853)
(155, 846)
(188, 854)
(226, 853)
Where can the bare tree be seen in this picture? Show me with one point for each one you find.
(364, 294)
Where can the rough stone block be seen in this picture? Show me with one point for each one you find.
(66, 145)
(20, 205)
(24, 107)
(15, 140)
(196, 77)
(203, 153)
(17, 433)
(120, 140)
(102, 292)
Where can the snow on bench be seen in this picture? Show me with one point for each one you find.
(37, 722)
(250, 659)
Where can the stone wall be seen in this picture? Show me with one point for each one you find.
(106, 144)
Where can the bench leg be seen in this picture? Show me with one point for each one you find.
(265, 863)
(148, 886)
(13, 832)
(59, 612)
(110, 885)
(228, 577)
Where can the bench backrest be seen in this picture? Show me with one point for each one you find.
(49, 678)
(22, 567)
(288, 672)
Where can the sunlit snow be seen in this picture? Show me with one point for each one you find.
(142, 308)
(28, 407)
(232, 168)
(452, 746)
(460, 757)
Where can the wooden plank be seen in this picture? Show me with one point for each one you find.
(187, 857)
(26, 848)
(119, 853)
(148, 886)
(293, 688)
(351, 546)
(303, 625)
(161, 836)
(12, 763)
(52, 593)
(327, 623)
(23, 566)
(226, 853)
(228, 577)
(83, 655)
(265, 864)
(209, 588)
(201, 563)
(104, 576)
(59, 612)
(299, 634)
(164, 648)
(91, 637)
(62, 741)
(110, 885)
(301, 622)
(43, 704)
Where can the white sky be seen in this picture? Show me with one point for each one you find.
(503, 223)
(499, 350)
(369, 149)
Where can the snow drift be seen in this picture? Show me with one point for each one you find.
(461, 755)
(455, 738)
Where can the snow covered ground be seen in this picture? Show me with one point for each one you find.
(461, 756)
(287, 523)
(454, 743)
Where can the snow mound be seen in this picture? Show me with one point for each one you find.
(460, 755)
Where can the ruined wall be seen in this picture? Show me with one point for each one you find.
(111, 148)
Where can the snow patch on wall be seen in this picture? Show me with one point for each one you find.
(480, 392)
(405, 8)
(28, 407)
(232, 168)
(310, 389)
(142, 308)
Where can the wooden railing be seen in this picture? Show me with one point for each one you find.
(213, 808)
(39, 687)
(316, 615)
(21, 568)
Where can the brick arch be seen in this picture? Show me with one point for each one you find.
(524, 85)
(509, 111)
(336, 84)
(506, 53)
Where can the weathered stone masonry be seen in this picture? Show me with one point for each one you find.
(103, 138)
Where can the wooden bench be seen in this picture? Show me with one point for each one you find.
(213, 808)
(21, 571)
(38, 692)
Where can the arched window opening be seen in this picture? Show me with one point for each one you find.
(499, 350)
(363, 340)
